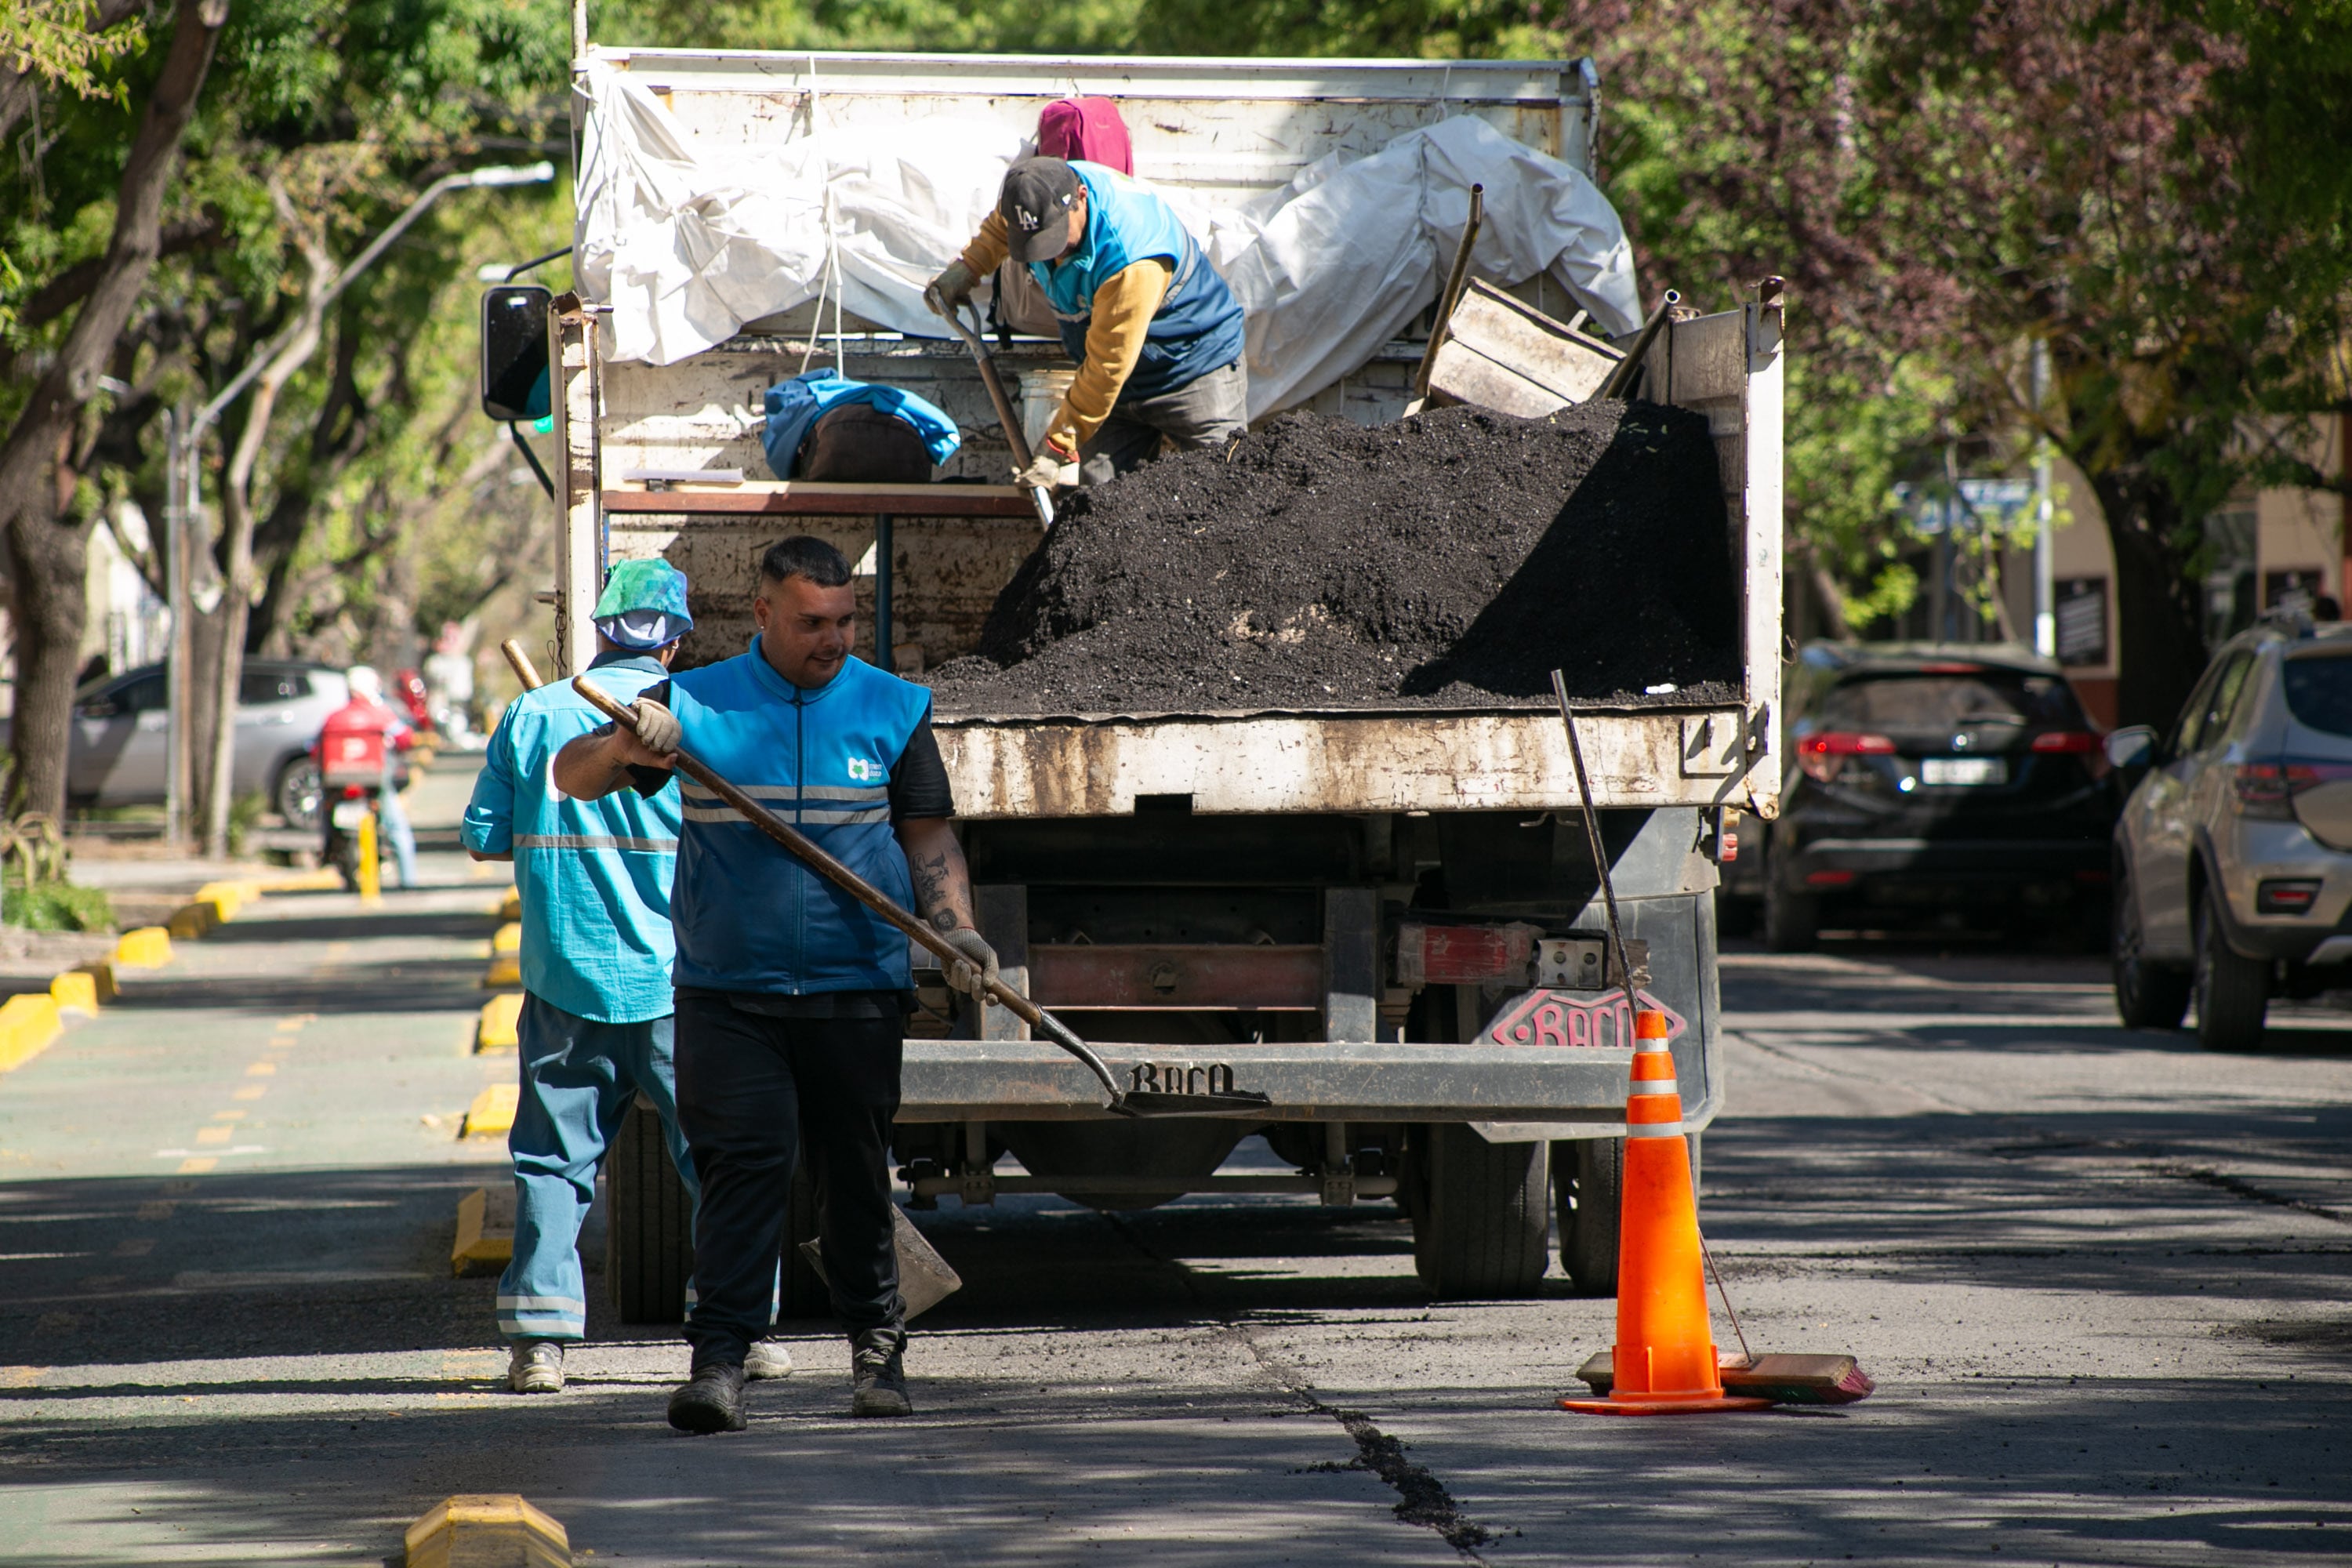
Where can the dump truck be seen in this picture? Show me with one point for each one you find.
(1243, 896)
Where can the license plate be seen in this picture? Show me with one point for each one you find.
(350, 813)
(1963, 771)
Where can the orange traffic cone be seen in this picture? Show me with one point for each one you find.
(1664, 1358)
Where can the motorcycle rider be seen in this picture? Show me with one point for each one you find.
(365, 715)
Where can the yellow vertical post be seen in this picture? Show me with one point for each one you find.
(371, 863)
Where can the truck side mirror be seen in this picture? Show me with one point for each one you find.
(514, 352)
(2134, 746)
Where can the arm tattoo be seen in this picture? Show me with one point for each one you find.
(933, 883)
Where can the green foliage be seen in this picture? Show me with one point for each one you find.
(56, 906)
(65, 44)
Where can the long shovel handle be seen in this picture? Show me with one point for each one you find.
(859, 887)
(1014, 436)
(520, 662)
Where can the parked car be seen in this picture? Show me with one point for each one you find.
(117, 754)
(1930, 779)
(2233, 854)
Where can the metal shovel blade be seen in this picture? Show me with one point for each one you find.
(1159, 1102)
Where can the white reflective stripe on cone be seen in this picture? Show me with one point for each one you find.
(1656, 1085)
(1653, 1129)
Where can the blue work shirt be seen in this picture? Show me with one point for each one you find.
(594, 875)
(794, 407)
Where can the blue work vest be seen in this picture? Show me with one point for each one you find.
(749, 916)
(1198, 327)
(594, 875)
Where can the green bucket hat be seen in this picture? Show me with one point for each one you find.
(643, 604)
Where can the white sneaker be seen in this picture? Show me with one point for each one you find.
(535, 1367)
(767, 1358)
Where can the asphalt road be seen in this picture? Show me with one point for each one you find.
(2100, 1278)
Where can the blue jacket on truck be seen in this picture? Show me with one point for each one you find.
(749, 917)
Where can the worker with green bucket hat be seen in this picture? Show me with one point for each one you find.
(595, 1029)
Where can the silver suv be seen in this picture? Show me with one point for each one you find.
(2233, 855)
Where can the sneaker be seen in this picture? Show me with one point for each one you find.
(535, 1367)
(767, 1358)
(709, 1401)
(879, 1373)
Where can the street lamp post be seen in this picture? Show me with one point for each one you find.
(183, 478)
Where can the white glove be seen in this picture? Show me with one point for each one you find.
(657, 727)
(950, 290)
(975, 972)
(1044, 472)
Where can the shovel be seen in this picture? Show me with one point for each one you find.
(1039, 496)
(1123, 1102)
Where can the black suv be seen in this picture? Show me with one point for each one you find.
(1933, 780)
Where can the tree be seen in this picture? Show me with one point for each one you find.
(40, 460)
(2155, 189)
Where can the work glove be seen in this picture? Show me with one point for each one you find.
(1045, 470)
(657, 727)
(975, 971)
(950, 290)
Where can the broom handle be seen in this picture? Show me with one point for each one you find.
(520, 662)
(856, 886)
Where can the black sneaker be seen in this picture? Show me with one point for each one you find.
(876, 1366)
(709, 1401)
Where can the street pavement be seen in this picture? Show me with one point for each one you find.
(2100, 1278)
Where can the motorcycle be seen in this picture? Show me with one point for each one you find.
(348, 807)
(351, 773)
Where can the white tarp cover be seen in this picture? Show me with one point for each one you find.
(686, 243)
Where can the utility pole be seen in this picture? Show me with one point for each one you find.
(2045, 548)
(176, 751)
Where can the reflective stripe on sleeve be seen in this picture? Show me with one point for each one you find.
(594, 841)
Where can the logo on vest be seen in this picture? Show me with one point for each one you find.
(865, 770)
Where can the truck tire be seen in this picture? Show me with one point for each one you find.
(2233, 992)
(1792, 922)
(1588, 1185)
(2148, 994)
(649, 1229)
(1483, 1225)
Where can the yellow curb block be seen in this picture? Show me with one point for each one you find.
(148, 947)
(102, 979)
(496, 1031)
(506, 939)
(486, 1221)
(190, 921)
(27, 1025)
(505, 972)
(492, 1112)
(487, 1529)
(510, 907)
(326, 879)
(75, 991)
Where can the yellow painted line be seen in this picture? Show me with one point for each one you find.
(498, 1030)
(251, 1091)
(148, 947)
(492, 1112)
(198, 1165)
(21, 1376)
(261, 1069)
(214, 1135)
(229, 1116)
(298, 1019)
(27, 1025)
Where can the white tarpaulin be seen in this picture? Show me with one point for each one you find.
(685, 244)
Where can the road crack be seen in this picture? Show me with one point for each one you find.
(2238, 1186)
(1421, 1498)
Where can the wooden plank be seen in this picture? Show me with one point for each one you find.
(805, 498)
(1502, 353)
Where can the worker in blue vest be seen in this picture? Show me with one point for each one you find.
(791, 996)
(596, 1027)
(1156, 333)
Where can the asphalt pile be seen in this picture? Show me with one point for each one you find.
(1451, 559)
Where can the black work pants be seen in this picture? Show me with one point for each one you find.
(752, 1091)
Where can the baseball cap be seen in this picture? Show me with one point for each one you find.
(1035, 203)
(643, 604)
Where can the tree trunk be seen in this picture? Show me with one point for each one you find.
(2159, 630)
(48, 584)
(48, 559)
